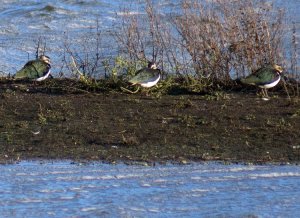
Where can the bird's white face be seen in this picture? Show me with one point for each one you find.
(153, 66)
(278, 68)
(44, 58)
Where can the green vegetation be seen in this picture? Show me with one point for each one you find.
(203, 48)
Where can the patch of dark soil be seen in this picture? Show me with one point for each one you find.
(113, 126)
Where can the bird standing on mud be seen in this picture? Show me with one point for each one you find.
(37, 70)
(146, 77)
(265, 78)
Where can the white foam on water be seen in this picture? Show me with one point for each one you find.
(30, 200)
(226, 169)
(89, 178)
(160, 181)
(75, 188)
(200, 190)
(87, 209)
(128, 176)
(50, 191)
(137, 209)
(145, 185)
(274, 175)
(39, 27)
(154, 210)
(129, 13)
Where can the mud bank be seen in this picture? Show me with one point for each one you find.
(114, 126)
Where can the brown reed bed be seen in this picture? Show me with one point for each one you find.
(199, 42)
(218, 39)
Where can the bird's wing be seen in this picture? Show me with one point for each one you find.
(261, 77)
(33, 70)
(267, 75)
(144, 75)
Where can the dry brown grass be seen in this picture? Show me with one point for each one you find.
(200, 43)
(142, 36)
(86, 54)
(216, 39)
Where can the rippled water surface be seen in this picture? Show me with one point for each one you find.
(61, 189)
(23, 22)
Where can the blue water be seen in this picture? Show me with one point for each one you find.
(61, 189)
(23, 22)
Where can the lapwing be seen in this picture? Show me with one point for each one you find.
(36, 70)
(265, 78)
(146, 77)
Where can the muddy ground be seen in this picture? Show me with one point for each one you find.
(114, 126)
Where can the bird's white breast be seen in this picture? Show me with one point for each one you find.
(150, 83)
(43, 77)
(270, 85)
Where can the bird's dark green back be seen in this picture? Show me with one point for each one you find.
(33, 69)
(144, 74)
(262, 76)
